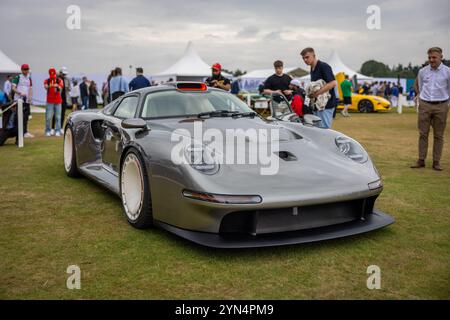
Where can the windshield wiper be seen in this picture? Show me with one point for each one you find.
(217, 113)
(250, 114)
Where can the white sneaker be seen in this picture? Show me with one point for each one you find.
(48, 134)
(58, 133)
(52, 132)
(28, 135)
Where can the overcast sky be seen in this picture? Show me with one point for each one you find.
(242, 34)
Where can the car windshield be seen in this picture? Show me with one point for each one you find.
(174, 103)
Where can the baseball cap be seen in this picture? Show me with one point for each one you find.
(64, 70)
(25, 67)
(296, 82)
(217, 66)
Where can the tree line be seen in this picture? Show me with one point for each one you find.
(375, 68)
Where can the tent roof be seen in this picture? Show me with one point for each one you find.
(7, 65)
(190, 64)
(337, 65)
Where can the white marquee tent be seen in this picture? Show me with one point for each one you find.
(7, 66)
(190, 67)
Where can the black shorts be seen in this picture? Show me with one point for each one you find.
(347, 100)
(74, 100)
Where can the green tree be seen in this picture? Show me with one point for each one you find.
(375, 69)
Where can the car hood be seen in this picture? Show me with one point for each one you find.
(315, 170)
(223, 124)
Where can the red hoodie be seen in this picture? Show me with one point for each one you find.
(53, 94)
(297, 105)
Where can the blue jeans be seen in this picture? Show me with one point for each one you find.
(84, 102)
(326, 116)
(53, 108)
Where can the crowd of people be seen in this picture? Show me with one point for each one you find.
(62, 93)
(386, 89)
(432, 85)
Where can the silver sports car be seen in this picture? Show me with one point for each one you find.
(198, 162)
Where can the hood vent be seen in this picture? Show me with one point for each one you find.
(286, 156)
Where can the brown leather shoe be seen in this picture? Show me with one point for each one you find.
(437, 166)
(419, 164)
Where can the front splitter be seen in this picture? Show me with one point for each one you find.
(373, 221)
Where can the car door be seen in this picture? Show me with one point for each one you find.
(112, 142)
(280, 108)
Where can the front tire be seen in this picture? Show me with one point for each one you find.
(135, 191)
(365, 106)
(70, 159)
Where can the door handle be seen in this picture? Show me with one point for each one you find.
(104, 126)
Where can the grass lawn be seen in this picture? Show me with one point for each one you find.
(50, 221)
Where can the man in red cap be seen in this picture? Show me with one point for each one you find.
(22, 89)
(217, 80)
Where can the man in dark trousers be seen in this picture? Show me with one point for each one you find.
(84, 93)
(321, 70)
(434, 93)
(139, 81)
(278, 82)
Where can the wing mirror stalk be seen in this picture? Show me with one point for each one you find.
(135, 123)
(311, 120)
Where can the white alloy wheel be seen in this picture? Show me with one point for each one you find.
(68, 150)
(132, 186)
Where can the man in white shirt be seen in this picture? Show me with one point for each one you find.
(22, 87)
(434, 93)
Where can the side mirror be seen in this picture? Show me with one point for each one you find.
(135, 123)
(311, 120)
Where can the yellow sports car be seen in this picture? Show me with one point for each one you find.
(367, 103)
(363, 102)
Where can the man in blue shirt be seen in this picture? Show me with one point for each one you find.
(3, 98)
(140, 81)
(394, 95)
(321, 70)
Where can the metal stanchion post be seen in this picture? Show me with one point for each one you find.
(20, 123)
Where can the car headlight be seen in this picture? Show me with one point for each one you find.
(351, 149)
(381, 100)
(201, 158)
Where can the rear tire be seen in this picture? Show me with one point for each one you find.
(365, 106)
(70, 159)
(135, 191)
